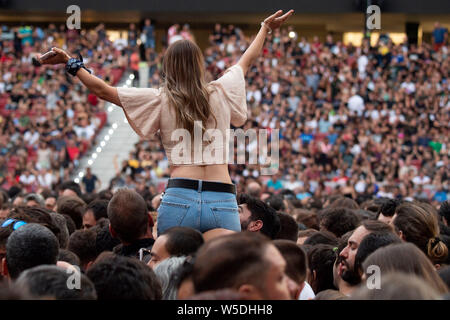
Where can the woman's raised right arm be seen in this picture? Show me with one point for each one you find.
(96, 85)
(253, 51)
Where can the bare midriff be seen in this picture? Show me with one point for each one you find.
(214, 172)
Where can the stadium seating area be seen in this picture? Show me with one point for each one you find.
(362, 121)
(48, 120)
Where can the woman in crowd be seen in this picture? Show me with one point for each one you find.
(200, 193)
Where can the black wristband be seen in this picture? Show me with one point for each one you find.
(73, 65)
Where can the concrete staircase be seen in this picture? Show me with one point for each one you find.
(116, 139)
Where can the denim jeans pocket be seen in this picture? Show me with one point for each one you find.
(225, 216)
(171, 214)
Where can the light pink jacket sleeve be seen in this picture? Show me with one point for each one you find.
(142, 107)
(232, 87)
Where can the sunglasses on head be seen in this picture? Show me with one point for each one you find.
(17, 223)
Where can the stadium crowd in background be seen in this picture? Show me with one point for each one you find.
(362, 181)
(48, 120)
(369, 121)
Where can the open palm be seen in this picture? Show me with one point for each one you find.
(277, 19)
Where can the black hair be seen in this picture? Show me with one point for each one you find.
(339, 220)
(288, 227)
(47, 193)
(71, 185)
(104, 241)
(262, 211)
(182, 241)
(69, 257)
(321, 258)
(13, 192)
(444, 211)
(105, 195)
(99, 208)
(276, 202)
(372, 242)
(122, 278)
(29, 246)
(365, 214)
(388, 207)
(322, 237)
(50, 281)
(446, 240)
(88, 197)
(82, 243)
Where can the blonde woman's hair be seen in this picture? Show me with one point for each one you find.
(185, 85)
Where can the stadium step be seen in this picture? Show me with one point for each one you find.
(116, 139)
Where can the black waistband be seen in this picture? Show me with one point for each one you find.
(206, 185)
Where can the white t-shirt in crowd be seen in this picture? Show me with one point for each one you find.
(356, 104)
(307, 293)
(423, 180)
(45, 180)
(27, 179)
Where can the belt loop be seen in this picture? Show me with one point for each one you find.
(199, 185)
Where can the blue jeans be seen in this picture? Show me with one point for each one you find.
(199, 210)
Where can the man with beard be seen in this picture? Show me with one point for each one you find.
(346, 276)
(257, 216)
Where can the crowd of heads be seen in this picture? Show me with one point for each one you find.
(108, 248)
(357, 204)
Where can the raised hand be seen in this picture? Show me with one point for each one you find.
(277, 19)
(54, 56)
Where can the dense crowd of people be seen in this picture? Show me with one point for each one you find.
(368, 121)
(105, 246)
(358, 209)
(47, 120)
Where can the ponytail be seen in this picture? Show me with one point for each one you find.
(437, 251)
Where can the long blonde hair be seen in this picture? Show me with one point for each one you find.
(185, 85)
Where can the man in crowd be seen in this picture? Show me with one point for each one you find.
(257, 216)
(90, 181)
(28, 246)
(347, 277)
(95, 211)
(130, 222)
(248, 263)
(174, 242)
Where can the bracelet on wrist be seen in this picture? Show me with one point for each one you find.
(263, 24)
(73, 65)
